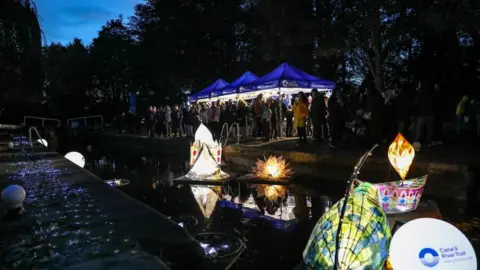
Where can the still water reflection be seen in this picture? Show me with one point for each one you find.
(273, 233)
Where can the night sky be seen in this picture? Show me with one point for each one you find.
(63, 20)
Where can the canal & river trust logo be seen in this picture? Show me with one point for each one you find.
(429, 257)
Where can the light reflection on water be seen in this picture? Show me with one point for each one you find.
(269, 243)
(273, 239)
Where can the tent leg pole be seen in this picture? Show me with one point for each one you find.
(280, 114)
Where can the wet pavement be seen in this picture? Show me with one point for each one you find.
(72, 218)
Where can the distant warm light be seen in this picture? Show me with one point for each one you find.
(401, 154)
(76, 158)
(43, 142)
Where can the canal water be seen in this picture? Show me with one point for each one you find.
(250, 240)
(268, 241)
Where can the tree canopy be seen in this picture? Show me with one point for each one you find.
(171, 47)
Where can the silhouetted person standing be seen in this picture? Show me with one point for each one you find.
(318, 113)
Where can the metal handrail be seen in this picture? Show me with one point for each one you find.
(59, 122)
(30, 136)
(230, 130)
(85, 119)
(221, 132)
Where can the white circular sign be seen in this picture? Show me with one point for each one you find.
(428, 243)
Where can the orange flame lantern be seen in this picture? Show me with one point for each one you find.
(400, 155)
(273, 168)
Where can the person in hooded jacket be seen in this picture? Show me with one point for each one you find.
(300, 114)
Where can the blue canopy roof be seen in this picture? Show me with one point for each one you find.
(234, 86)
(286, 76)
(205, 93)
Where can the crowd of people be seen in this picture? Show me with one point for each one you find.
(419, 115)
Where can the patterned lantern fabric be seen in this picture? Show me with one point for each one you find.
(364, 238)
(400, 197)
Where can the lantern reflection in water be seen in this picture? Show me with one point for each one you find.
(273, 168)
(400, 155)
(206, 199)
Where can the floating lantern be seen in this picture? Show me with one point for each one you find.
(273, 168)
(76, 158)
(43, 142)
(401, 196)
(400, 155)
(205, 167)
(206, 199)
(364, 234)
(204, 136)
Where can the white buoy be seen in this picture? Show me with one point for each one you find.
(13, 196)
(10, 145)
(43, 142)
(76, 158)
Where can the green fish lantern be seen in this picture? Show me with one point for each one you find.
(364, 237)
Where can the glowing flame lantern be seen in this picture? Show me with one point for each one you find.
(204, 136)
(76, 158)
(401, 154)
(206, 199)
(273, 168)
(43, 142)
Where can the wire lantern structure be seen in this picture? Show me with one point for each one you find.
(350, 184)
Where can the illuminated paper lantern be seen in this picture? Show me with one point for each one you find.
(205, 167)
(76, 158)
(364, 237)
(206, 199)
(204, 136)
(401, 196)
(272, 168)
(400, 155)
